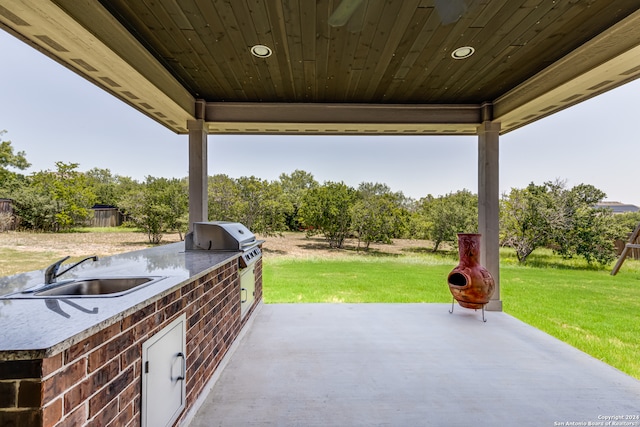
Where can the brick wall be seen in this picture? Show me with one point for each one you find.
(20, 393)
(98, 382)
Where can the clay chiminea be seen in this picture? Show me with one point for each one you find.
(470, 283)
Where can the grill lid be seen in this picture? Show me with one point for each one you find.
(220, 236)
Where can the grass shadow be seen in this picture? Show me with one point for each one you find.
(445, 254)
(419, 250)
(374, 253)
(274, 251)
(141, 244)
(351, 249)
(550, 260)
(315, 246)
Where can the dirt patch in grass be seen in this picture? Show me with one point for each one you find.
(110, 243)
(24, 251)
(298, 245)
(80, 243)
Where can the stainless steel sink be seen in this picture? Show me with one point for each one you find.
(88, 287)
(98, 286)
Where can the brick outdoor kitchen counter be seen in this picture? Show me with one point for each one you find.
(74, 361)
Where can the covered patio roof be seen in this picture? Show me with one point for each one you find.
(339, 66)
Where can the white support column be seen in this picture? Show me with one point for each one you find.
(198, 175)
(489, 204)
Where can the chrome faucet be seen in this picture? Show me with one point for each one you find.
(51, 273)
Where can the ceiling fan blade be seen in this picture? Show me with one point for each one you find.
(343, 12)
(356, 23)
(450, 10)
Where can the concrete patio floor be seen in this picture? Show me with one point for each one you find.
(410, 365)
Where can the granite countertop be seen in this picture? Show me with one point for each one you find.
(33, 328)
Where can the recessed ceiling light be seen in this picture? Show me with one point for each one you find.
(462, 52)
(261, 51)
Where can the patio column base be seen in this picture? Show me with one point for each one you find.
(494, 305)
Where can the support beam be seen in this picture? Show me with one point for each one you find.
(489, 204)
(198, 175)
(273, 118)
(335, 113)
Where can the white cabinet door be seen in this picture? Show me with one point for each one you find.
(163, 375)
(247, 289)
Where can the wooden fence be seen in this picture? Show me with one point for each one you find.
(103, 216)
(629, 248)
(6, 205)
(6, 215)
(106, 217)
(633, 253)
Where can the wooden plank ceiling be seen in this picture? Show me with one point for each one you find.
(394, 55)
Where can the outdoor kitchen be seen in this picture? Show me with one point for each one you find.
(76, 349)
(177, 335)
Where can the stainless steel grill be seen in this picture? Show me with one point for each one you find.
(230, 236)
(225, 236)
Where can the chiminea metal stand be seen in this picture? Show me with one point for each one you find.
(470, 283)
(454, 301)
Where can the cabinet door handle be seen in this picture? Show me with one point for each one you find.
(184, 367)
(241, 291)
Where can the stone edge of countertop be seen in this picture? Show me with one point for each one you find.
(134, 301)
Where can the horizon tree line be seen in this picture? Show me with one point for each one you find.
(545, 215)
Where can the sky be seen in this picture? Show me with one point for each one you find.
(53, 115)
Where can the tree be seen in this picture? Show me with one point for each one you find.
(594, 232)
(565, 220)
(377, 215)
(10, 181)
(9, 159)
(66, 193)
(526, 219)
(295, 187)
(585, 230)
(264, 205)
(626, 223)
(158, 205)
(225, 200)
(105, 186)
(176, 197)
(34, 208)
(327, 210)
(442, 218)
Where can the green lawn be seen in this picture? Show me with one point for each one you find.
(581, 305)
(591, 310)
(13, 261)
(355, 280)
